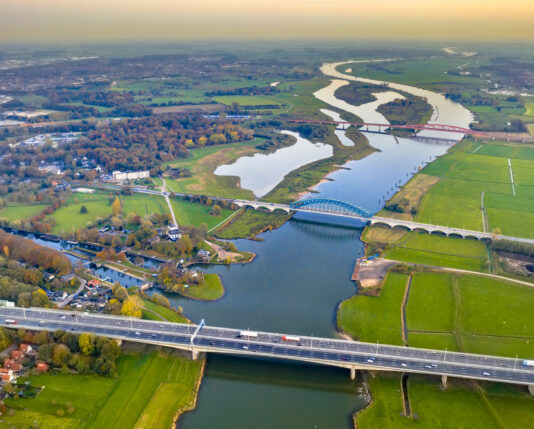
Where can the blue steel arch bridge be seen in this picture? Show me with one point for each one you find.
(330, 206)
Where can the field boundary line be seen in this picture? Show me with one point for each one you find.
(511, 176)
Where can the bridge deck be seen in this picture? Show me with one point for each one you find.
(325, 351)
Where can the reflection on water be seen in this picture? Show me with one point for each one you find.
(241, 390)
(262, 172)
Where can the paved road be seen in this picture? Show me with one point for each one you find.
(319, 350)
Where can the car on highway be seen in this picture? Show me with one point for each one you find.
(404, 365)
(245, 347)
(428, 366)
(137, 333)
(486, 373)
(371, 360)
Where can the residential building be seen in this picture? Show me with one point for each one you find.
(119, 176)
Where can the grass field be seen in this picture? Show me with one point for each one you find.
(434, 250)
(372, 318)
(203, 162)
(250, 223)
(13, 211)
(465, 176)
(158, 312)
(189, 213)
(211, 290)
(248, 100)
(413, 72)
(68, 217)
(145, 381)
(460, 312)
(461, 405)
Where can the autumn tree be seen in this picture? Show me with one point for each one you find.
(116, 207)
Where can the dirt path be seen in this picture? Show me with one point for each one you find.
(166, 196)
(222, 253)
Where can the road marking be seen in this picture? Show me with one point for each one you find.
(511, 176)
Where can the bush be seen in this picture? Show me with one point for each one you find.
(83, 210)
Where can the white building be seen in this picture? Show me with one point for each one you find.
(173, 233)
(119, 176)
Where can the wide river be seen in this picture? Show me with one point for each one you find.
(295, 284)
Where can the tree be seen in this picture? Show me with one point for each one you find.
(129, 308)
(83, 210)
(216, 210)
(61, 354)
(116, 207)
(86, 343)
(116, 241)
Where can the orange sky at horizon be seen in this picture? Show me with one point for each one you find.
(39, 20)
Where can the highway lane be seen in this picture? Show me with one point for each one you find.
(321, 350)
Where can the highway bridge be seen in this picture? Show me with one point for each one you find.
(353, 355)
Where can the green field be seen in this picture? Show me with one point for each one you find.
(129, 401)
(248, 100)
(154, 311)
(211, 290)
(14, 211)
(372, 318)
(465, 176)
(68, 217)
(422, 72)
(250, 223)
(203, 162)
(190, 213)
(460, 406)
(460, 312)
(434, 250)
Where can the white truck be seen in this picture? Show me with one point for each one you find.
(527, 362)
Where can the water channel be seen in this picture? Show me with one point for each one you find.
(294, 285)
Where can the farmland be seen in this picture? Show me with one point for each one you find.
(461, 312)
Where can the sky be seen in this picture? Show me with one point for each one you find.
(100, 20)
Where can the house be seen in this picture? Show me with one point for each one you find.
(94, 283)
(204, 255)
(16, 354)
(25, 348)
(11, 364)
(173, 232)
(119, 176)
(154, 240)
(6, 378)
(41, 367)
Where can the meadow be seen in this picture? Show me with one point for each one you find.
(460, 406)
(461, 312)
(473, 174)
(19, 211)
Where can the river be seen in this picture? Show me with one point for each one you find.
(299, 276)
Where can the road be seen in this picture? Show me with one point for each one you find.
(327, 351)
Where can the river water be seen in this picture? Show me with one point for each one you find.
(300, 274)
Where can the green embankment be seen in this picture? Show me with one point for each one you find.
(212, 289)
(426, 249)
(250, 223)
(460, 406)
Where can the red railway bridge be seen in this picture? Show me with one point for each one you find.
(414, 127)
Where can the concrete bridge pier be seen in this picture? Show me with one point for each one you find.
(353, 374)
(444, 381)
(194, 354)
(531, 389)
